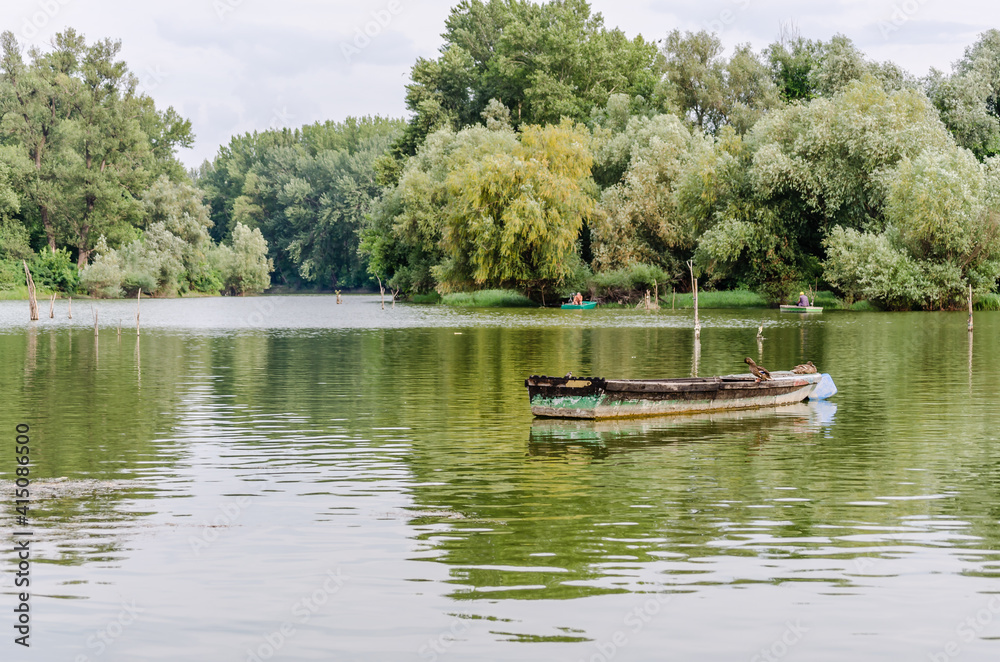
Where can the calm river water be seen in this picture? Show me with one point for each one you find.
(284, 478)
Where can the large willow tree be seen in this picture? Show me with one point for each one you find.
(486, 207)
(514, 217)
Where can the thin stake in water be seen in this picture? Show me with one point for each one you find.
(694, 293)
(32, 301)
(970, 307)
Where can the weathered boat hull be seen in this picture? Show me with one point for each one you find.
(801, 309)
(597, 398)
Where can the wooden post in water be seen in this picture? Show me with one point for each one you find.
(138, 297)
(970, 362)
(970, 307)
(94, 310)
(119, 329)
(382, 290)
(52, 306)
(694, 292)
(32, 301)
(71, 307)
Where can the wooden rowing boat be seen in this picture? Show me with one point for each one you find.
(597, 398)
(801, 309)
(586, 305)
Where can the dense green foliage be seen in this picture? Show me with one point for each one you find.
(504, 209)
(969, 99)
(308, 191)
(543, 62)
(770, 171)
(620, 284)
(545, 153)
(87, 164)
(85, 139)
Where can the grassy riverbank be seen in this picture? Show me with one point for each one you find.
(512, 299)
(20, 293)
(488, 299)
(747, 299)
(679, 301)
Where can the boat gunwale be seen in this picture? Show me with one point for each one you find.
(778, 378)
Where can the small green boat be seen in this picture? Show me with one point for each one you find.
(801, 309)
(586, 305)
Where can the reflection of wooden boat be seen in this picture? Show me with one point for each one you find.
(586, 305)
(594, 397)
(801, 309)
(565, 438)
(800, 416)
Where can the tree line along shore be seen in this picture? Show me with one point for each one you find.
(544, 153)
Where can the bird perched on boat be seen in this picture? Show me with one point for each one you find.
(760, 372)
(806, 368)
(568, 375)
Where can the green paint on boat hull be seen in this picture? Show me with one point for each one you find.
(568, 401)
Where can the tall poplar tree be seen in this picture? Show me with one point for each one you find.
(96, 143)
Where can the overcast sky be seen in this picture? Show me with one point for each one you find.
(232, 66)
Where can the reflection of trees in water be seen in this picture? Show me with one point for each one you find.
(90, 414)
(633, 497)
(606, 494)
(791, 487)
(95, 432)
(77, 521)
